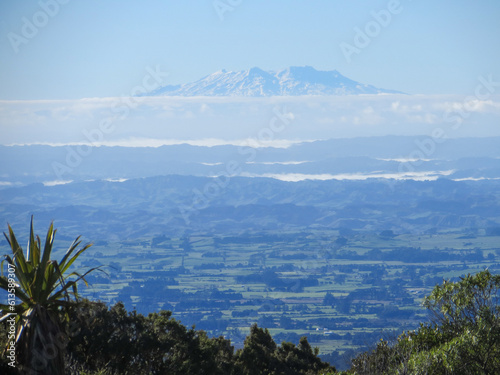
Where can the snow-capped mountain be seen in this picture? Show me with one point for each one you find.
(292, 81)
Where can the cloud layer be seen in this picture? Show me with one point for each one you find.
(155, 121)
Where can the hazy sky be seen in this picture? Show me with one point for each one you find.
(70, 70)
(69, 49)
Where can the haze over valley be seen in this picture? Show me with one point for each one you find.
(312, 170)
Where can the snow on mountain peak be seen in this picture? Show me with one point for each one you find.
(292, 81)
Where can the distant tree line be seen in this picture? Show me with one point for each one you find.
(111, 340)
(414, 255)
(463, 337)
(57, 333)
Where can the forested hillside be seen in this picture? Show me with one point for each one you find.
(461, 339)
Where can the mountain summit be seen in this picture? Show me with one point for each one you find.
(292, 81)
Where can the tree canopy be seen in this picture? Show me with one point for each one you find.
(463, 337)
(55, 333)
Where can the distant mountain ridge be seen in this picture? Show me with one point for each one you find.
(292, 81)
(350, 158)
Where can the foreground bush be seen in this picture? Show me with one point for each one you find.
(114, 341)
(464, 337)
(40, 292)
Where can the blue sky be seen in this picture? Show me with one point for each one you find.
(67, 67)
(94, 48)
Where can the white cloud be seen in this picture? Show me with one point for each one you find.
(240, 118)
(295, 177)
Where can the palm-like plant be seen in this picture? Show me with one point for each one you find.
(44, 291)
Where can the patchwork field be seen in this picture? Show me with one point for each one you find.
(344, 292)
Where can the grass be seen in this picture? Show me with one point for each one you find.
(247, 258)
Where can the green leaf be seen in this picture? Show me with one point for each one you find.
(43, 288)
